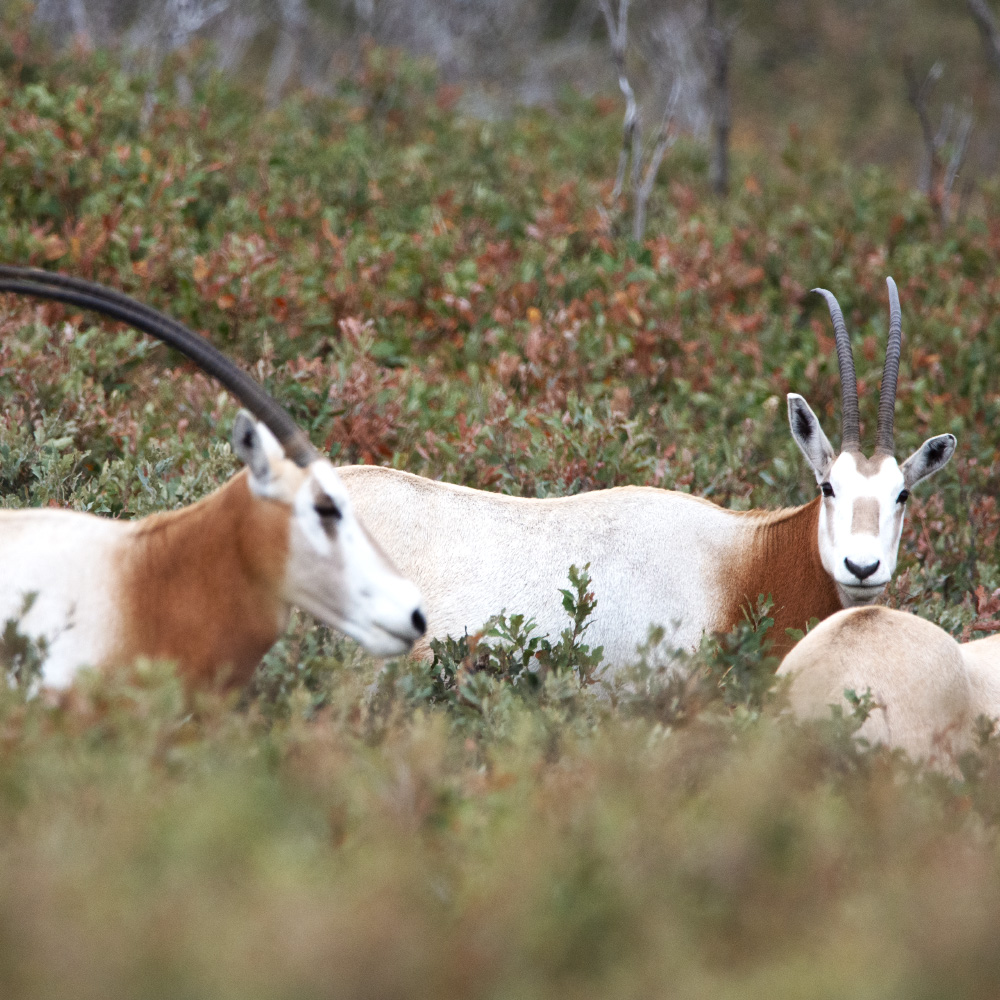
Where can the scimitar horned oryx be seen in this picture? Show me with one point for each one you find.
(659, 557)
(210, 585)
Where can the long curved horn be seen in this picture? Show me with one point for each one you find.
(890, 374)
(850, 418)
(117, 305)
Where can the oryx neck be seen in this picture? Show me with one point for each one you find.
(779, 556)
(203, 584)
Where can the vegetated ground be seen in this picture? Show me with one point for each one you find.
(456, 298)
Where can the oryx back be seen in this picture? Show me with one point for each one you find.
(654, 556)
(68, 562)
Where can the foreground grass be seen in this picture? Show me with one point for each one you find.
(149, 851)
(457, 299)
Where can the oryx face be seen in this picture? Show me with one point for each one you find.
(863, 503)
(335, 570)
(863, 499)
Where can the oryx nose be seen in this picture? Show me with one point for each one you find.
(861, 572)
(419, 622)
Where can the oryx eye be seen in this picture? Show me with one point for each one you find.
(904, 495)
(326, 508)
(827, 489)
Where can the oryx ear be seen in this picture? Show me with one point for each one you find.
(809, 436)
(249, 446)
(932, 455)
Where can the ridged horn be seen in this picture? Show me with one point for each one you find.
(890, 374)
(850, 417)
(110, 302)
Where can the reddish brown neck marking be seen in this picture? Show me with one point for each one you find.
(780, 558)
(202, 586)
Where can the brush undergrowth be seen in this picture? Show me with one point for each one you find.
(456, 298)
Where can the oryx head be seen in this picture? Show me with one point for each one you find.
(863, 499)
(334, 570)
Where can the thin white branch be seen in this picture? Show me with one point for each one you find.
(640, 180)
(293, 22)
(944, 129)
(629, 128)
(664, 140)
(617, 29)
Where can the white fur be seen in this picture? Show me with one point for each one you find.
(347, 582)
(653, 554)
(839, 543)
(982, 661)
(65, 559)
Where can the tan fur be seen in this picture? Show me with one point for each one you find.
(868, 467)
(914, 670)
(202, 585)
(864, 516)
(780, 558)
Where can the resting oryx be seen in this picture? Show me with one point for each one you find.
(913, 670)
(928, 689)
(659, 557)
(209, 586)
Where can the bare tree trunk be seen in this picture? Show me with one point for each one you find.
(631, 127)
(988, 29)
(641, 182)
(81, 23)
(720, 41)
(959, 148)
(293, 21)
(937, 179)
(664, 140)
(916, 93)
(364, 11)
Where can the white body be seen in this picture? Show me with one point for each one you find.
(657, 557)
(66, 559)
(479, 554)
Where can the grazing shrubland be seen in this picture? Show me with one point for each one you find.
(458, 298)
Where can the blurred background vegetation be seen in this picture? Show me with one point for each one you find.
(833, 68)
